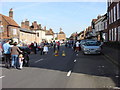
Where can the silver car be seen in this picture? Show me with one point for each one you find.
(91, 47)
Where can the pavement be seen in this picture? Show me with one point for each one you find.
(112, 54)
(75, 70)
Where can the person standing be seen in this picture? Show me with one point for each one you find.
(77, 46)
(6, 53)
(21, 61)
(41, 47)
(45, 49)
(35, 47)
(54, 45)
(14, 53)
(58, 45)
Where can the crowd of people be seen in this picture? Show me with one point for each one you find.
(14, 57)
(73, 44)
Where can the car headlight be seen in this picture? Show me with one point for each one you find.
(98, 49)
(85, 49)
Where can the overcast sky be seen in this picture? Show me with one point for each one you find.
(70, 16)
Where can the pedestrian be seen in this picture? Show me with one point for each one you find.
(14, 54)
(66, 44)
(54, 45)
(21, 61)
(45, 49)
(77, 46)
(74, 46)
(6, 53)
(51, 44)
(32, 47)
(58, 45)
(41, 47)
(35, 47)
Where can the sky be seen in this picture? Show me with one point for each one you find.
(70, 16)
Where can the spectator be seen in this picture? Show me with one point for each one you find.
(77, 46)
(54, 45)
(6, 52)
(41, 47)
(14, 53)
(58, 45)
(45, 49)
(35, 47)
(32, 47)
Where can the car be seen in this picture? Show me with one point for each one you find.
(91, 47)
(25, 49)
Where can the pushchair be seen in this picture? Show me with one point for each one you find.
(26, 57)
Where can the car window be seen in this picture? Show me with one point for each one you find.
(92, 44)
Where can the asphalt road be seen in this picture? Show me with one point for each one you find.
(75, 70)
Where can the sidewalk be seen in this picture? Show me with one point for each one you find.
(112, 55)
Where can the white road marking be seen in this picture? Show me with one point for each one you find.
(76, 54)
(38, 60)
(2, 76)
(75, 60)
(116, 87)
(117, 76)
(69, 73)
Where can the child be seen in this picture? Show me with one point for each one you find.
(21, 61)
(45, 49)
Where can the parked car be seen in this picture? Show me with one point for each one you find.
(25, 49)
(91, 47)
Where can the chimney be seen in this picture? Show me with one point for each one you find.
(40, 27)
(26, 24)
(44, 27)
(11, 13)
(99, 16)
(22, 24)
(35, 25)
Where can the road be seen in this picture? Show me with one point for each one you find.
(75, 70)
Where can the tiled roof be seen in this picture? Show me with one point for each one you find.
(94, 20)
(9, 20)
(61, 32)
(48, 32)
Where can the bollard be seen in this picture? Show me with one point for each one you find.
(63, 54)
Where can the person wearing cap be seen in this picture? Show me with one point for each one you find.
(6, 52)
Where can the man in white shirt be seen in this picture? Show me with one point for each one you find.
(77, 46)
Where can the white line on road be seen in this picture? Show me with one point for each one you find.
(116, 87)
(38, 60)
(75, 61)
(76, 54)
(2, 76)
(69, 73)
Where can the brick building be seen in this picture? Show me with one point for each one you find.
(113, 20)
(31, 33)
(10, 29)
